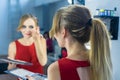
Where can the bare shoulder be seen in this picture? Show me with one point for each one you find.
(53, 66)
(12, 44)
(12, 50)
(53, 71)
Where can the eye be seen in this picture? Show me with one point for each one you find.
(23, 26)
(31, 26)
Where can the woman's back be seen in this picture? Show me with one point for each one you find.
(73, 69)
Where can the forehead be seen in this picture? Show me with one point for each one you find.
(29, 21)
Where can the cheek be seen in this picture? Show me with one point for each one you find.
(22, 31)
(60, 42)
(33, 30)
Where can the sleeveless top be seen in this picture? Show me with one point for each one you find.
(68, 68)
(28, 53)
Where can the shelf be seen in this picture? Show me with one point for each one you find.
(112, 24)
(98, 16)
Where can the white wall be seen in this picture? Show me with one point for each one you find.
(115, 48)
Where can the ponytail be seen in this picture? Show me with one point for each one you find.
(99, 56)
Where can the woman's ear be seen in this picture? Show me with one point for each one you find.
(64, 32)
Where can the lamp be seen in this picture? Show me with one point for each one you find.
(82, 2)
(70, 1)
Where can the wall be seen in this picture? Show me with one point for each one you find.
(3, 26)
(45, 12)
(10, 13)
(41, 2)
(109, 4)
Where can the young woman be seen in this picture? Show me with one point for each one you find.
(72, 27)
(31, 47)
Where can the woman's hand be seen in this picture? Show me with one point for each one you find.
(11, 65)
(40, 46)
(28, 78)
(36, 34)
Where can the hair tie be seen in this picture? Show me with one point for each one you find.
(89, 23)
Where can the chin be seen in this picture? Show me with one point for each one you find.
(28, 36)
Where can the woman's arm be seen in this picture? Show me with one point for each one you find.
(41, 50)
(40, 46)
(11, 54)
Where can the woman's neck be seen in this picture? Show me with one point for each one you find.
(26, 41)
(76, 51)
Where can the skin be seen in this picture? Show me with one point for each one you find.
(31, 34)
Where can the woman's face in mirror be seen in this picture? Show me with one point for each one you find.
(28, 27)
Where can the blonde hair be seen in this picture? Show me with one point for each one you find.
(100, 58)
(56, 23)
(77, 20)
(25, 17)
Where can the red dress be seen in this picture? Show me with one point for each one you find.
(68, 68)
(28, 53)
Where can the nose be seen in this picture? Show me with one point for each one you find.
(28, 30)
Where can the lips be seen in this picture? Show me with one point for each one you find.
(28, 34)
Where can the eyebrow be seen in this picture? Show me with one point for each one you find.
(28, 25)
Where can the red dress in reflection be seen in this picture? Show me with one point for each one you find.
(28, 53)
